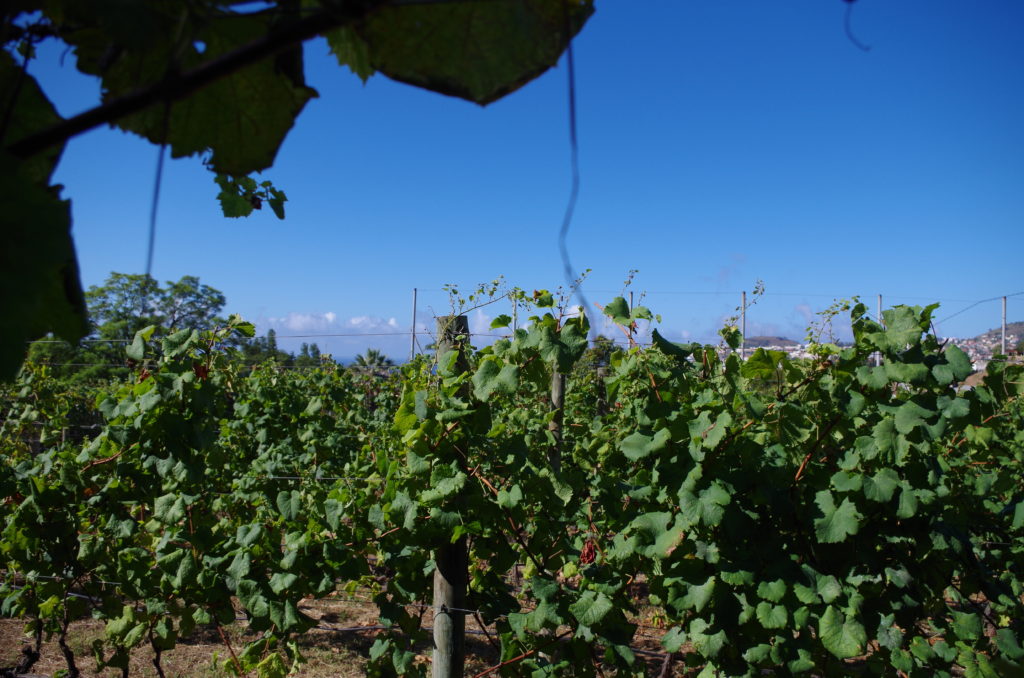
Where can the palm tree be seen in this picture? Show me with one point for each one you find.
(372, 360)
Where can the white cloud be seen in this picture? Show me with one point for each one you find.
(805, 312)
(303, 322)
(480, 322)
(371, 324)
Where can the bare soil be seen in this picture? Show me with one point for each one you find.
(332, 649)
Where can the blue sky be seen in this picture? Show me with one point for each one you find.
(721, 143)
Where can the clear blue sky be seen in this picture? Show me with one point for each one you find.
(721, 142)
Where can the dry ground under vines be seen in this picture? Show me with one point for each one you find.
(331, 649)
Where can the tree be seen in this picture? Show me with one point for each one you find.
(372, 360)
(263, 349)
(224, 80)
(123, 305)
(309, 356)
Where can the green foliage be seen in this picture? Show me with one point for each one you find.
(477, 53)
(818, 517)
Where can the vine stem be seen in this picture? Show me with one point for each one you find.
(803, 465)
(666, 666)
(629, 335)
(231, 650)
(185, 84)
(521, 657)
(515, 528)
(97, 462)
(157, 653)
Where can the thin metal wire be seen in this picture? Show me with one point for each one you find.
(977, 303)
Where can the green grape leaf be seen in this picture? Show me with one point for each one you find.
(241, 119)
(669, 348)
(40, 290)
(772, 591)
(872, 377)
(842, 636)
(1009, 644)
(479, 52)
(906, 373)
(966, 624)
(673, 639)
(239, 567)
(706, 507)
(772, 616)
(289, 503)
(137, 349)
(280, 582)
(707, 644)
(489, 378)
(591, 608)
(169, 509)
(333, 512)
(881, 486)
(836, 524)
(697, 596)
(351, 50)
(889, 636)
(764, 364)
(956, 368)
(910, 415)
(618, 310)
(637, 446)
(511, 497)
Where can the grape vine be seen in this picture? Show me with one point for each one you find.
(821, 516)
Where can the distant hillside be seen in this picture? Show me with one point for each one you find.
(759, 342)
(994, 335)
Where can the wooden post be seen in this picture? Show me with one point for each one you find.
(452, 560)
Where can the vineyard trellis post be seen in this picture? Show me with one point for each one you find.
(451, 559)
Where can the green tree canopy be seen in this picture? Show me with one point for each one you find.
(124, 304)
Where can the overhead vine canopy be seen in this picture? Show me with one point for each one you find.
(223, 80)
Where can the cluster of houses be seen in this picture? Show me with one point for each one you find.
(980, 349)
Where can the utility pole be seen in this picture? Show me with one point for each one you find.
(451, 560)
(743, 325)
(1004, 325)
(412, 332)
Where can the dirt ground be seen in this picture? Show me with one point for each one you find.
(328, 650)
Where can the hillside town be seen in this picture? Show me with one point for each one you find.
(980, 349)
